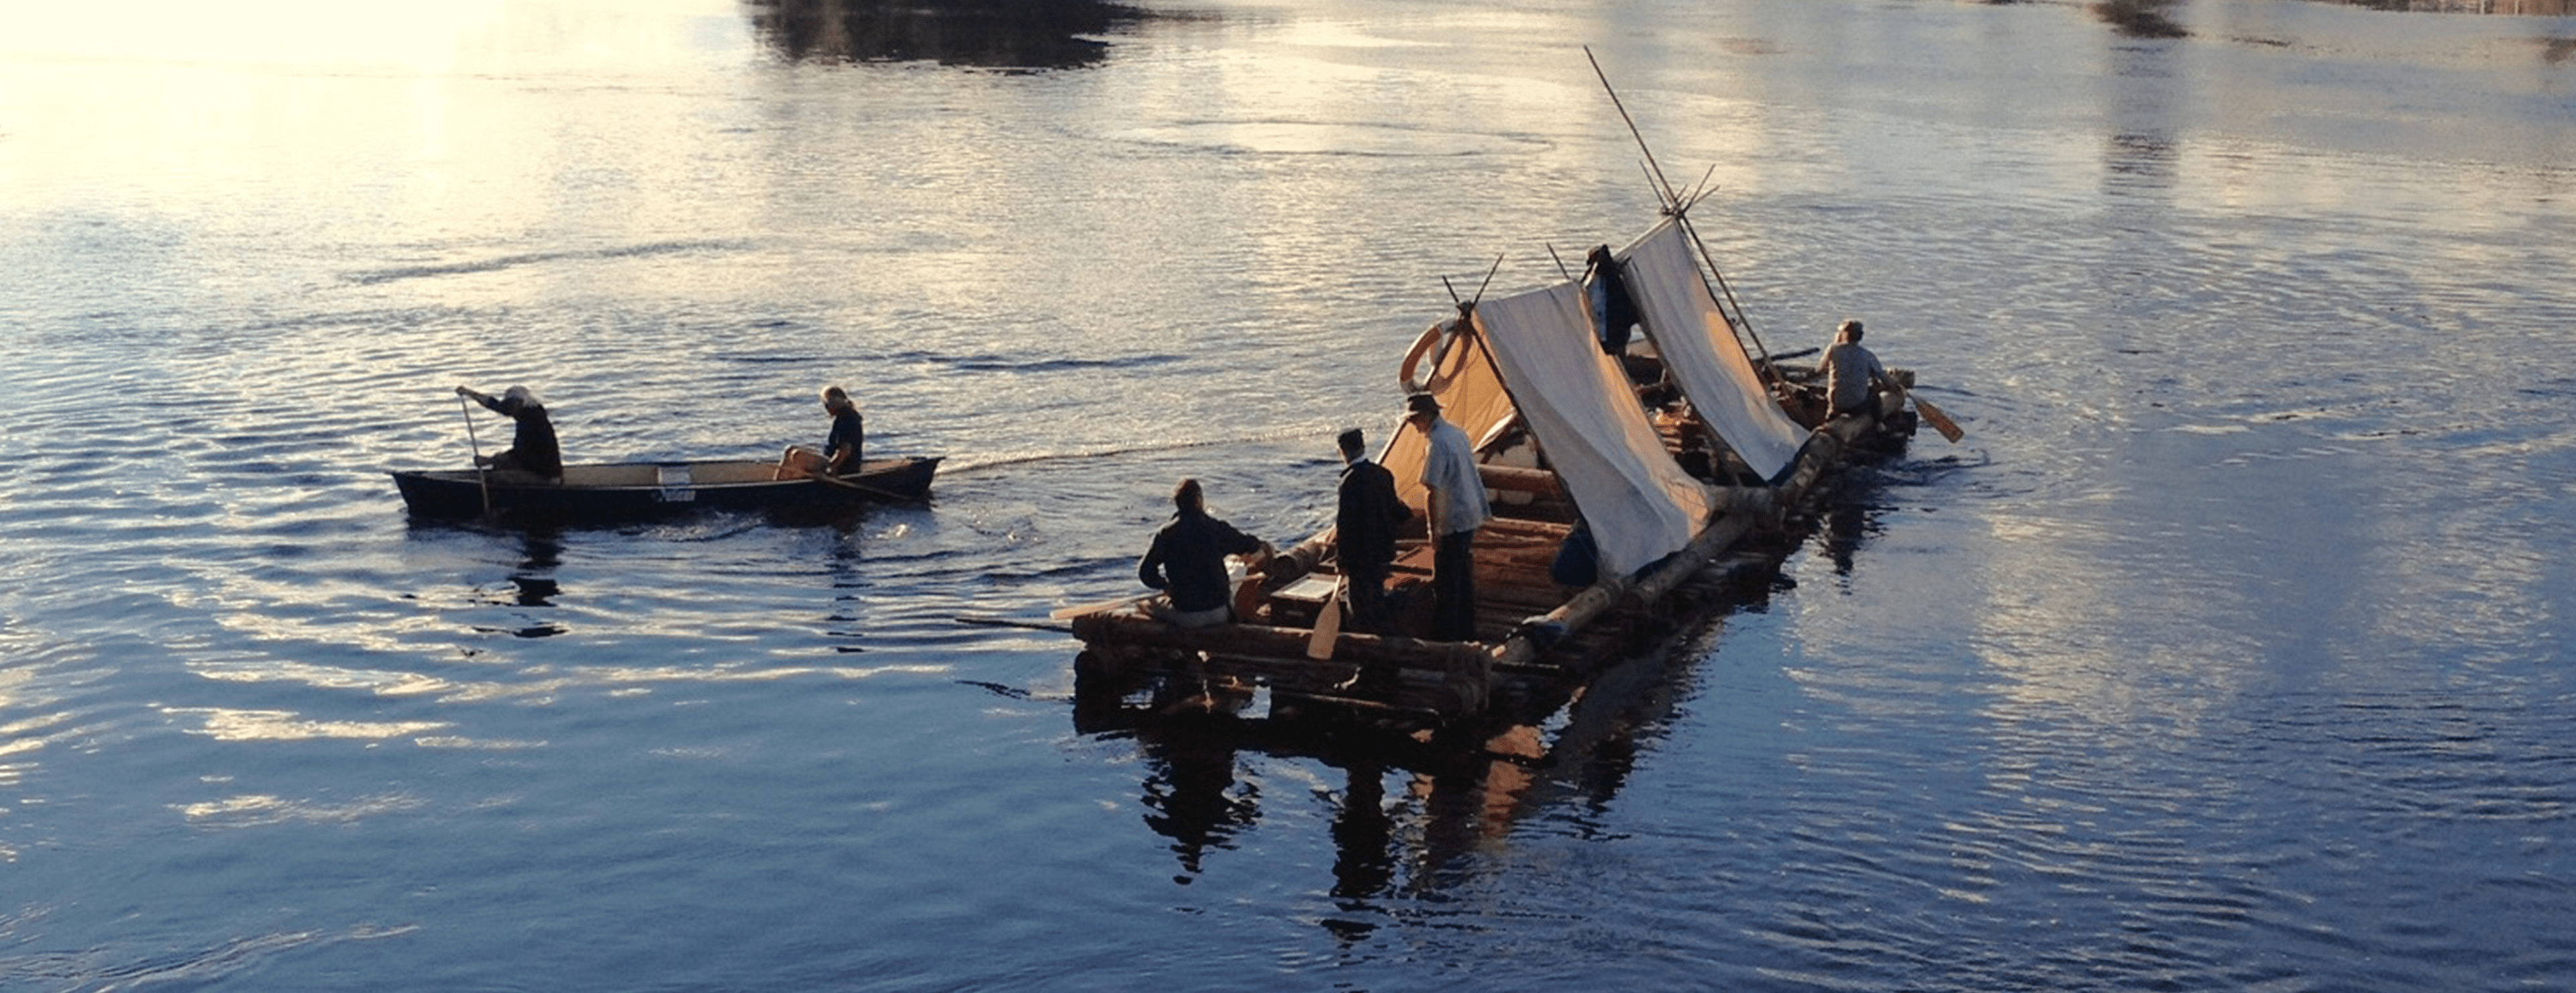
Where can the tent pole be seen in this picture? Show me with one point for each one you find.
(1674, 205)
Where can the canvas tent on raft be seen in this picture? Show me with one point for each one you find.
(1532, 355)
(1701, 352)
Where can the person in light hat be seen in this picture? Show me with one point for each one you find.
(533, 449)
(1457, 506)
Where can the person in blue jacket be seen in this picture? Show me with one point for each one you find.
(1605, 296)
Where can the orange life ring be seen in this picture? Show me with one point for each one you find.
(1435, 342)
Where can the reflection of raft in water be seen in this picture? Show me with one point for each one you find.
(1673, 462)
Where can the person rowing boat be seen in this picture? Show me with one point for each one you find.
(1853, 377)
(533, 449)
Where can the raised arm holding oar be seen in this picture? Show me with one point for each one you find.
(533, 450)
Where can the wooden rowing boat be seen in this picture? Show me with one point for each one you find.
(644, 490)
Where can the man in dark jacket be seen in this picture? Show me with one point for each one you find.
(849, 433)
(1364, 531)
(1187, 562)
(1605, 295)
(532, 447)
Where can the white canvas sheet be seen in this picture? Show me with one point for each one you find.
(1703, 354)
(1578, 404)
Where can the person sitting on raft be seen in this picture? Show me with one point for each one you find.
(1852, 374)
(1187, 562)
(840, 454)
(532, 447)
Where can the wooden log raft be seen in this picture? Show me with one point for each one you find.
(1450, 680)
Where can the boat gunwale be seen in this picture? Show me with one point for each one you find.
(900, 464)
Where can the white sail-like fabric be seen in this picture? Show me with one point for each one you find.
(1590, 427)
(1701, 351)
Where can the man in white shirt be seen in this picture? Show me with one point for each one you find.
(1457, 506)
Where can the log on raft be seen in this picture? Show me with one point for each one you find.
(1454, 675)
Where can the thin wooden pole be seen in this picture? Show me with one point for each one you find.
(1656, 172)
(1676, 206)
(1740, 317)
(1560, 263)
(1489, 281)
(482, 476)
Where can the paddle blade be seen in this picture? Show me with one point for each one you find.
(1940, 422)
(1328, 628)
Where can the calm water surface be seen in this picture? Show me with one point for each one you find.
(2227, 652)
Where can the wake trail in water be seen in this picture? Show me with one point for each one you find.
(373, 277)
(1274, 435)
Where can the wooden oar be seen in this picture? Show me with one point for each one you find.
(482, 476)
(1940, 422)
(860, 487)
(1234, 576)
(1005, 622)
(1079, 609)
(1328, 626)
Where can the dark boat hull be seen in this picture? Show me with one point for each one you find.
(643, 491)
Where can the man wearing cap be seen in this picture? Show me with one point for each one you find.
(1364, 523)
(532, 445)
(1457, 507)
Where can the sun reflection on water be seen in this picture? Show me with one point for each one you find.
(543, 683)
(232, 724)
(255, 810)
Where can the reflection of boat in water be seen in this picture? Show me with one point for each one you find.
(1676, 460)
(632, 491)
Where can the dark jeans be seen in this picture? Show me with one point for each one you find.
(1453, 587)
(1368, 595)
